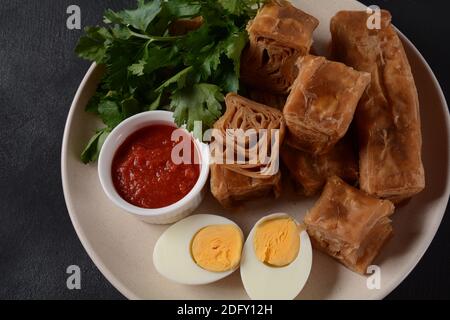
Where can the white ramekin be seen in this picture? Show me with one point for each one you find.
(164, 215)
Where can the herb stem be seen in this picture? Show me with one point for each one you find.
(174, 78)
(155, 38)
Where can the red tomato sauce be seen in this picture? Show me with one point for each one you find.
(143, 171)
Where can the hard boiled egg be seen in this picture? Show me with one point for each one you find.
(276, 259)
(199, 249)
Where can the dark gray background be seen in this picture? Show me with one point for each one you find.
(39, 75)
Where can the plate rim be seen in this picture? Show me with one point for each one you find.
(124, 290)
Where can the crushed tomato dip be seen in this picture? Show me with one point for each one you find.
(143, 172)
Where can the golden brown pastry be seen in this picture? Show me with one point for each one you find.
(268, 128)
(310, 172)
(349, 225)
(278, 35)
(387, 118)
(247, 130)
(322, 102)
(230, 188)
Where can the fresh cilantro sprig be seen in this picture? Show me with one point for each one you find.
(148, 68)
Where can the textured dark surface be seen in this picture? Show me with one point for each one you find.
(39, 75)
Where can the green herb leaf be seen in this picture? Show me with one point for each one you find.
(139, 18)
(110, 113)
(92, 45)
(227, 79)
(179, 79)
(120, 56)
(182, 8)
(233, 48)
(130, 107)
(157, 57)
(239, 7)
(138, 68)
(92, 106)
(92, 150)
(202, 102)
(232, 6)
(155, 104)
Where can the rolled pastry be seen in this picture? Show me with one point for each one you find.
(387, 118)
(251, 134)
(249, 116)
(349, 225)
(230, 188)
(310, 172)
(278, 35)
(322, 103)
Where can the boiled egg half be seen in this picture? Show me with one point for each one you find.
(276, 259)
(199, 249)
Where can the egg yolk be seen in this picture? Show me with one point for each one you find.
(277, 242)
(217, 248)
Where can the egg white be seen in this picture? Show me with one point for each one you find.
(172, 252)
(263, 282)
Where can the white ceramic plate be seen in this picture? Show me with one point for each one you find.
(121, 246)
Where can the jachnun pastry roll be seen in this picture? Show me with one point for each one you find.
(349, 225)
(322, 103)
(230, 188)
(387, 117)
(250, 134)
(278, 35)
(310, 172)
